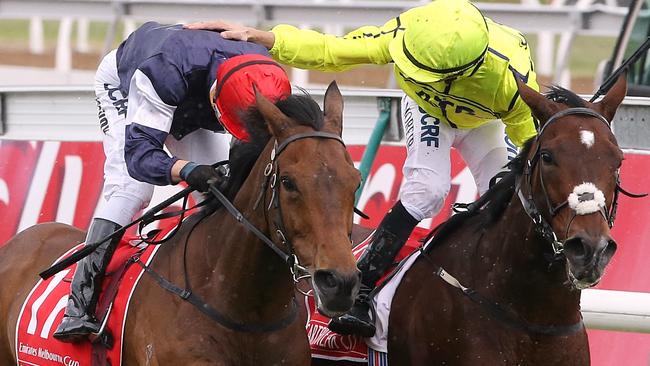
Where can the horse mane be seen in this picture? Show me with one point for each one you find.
(560, 95)
(493, 202)
(301, 108)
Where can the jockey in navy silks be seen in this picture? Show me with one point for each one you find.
(184, 89)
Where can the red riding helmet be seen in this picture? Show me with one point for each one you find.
(234, 92)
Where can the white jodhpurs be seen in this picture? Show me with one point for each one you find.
(427, 169)
(123, 196)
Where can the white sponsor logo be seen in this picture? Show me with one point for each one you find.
(321, 336)
(45, 354)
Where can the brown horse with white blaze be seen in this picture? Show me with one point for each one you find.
(295, 182)
(522, 252)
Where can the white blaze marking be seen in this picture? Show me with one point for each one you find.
(586, 199)
(587, 138)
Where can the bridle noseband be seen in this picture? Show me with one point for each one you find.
(540, 223)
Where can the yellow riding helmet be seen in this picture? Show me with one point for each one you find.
(441, 39)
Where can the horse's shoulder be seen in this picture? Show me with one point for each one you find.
(50, 234)
(53, 230)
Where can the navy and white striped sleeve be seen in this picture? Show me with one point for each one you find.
(149, 122)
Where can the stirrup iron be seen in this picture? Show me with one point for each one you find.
(97, 337)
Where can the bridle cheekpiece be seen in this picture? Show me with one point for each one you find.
(271, 171)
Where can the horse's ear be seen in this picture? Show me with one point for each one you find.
(333, 108)
(277, 122)
(542, 107)
(614, 97)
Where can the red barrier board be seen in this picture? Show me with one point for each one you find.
(61, 181)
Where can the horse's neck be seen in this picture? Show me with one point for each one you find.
(244, 275)
(519, 272)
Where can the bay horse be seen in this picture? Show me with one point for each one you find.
(294, 182)
(500, 283)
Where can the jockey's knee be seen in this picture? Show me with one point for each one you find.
(424, 200)
(122, 204)
(492, 163)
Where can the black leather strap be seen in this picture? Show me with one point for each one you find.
(502, 314)
(299, 136)
(247, 224)
(541, 225)
(146, 218)
(90, 247)
(573, 111)
(361, 213)
(215, 315)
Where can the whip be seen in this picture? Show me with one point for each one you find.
(609, 82)
(90, 247)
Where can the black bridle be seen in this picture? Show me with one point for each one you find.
(541, 224)
(542, 227)
(496, 309)
(271, 170)
(287, 255)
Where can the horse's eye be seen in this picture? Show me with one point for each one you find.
(288, 184)
(546, 157)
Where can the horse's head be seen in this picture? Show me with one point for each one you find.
(310, 195)
(570, 184)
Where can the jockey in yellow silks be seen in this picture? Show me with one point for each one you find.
(463, 86)
(458, 70)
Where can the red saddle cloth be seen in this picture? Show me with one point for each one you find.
(332, 346)
(42, 312)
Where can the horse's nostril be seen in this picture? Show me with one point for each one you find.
(610, 249)
(574, 247)
(326, 279)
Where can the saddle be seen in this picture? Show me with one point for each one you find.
(43, 309)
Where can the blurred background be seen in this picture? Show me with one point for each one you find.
(60, 42)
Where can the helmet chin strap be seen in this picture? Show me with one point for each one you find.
(213, 101)
(213, 90)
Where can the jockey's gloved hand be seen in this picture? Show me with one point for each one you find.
(200, 177)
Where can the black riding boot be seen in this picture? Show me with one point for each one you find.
(387, 241)
(79, 320)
